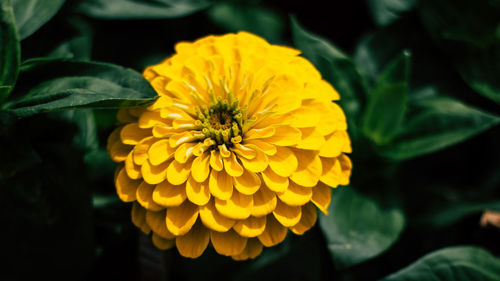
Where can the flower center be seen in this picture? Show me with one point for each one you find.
(221, 121)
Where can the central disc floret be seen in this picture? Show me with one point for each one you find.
(221, 121)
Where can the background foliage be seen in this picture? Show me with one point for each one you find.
(419, 85)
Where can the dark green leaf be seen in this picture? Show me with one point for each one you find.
(336, 67)
(469, 32)
(358, 228)
(451, 214)
(437, 123)
(385, 12)
(77, 47)
(10, 53)
(32, 14)
(386, 105)
(58, 85)
(255, 19)
(462, 263)
(146, 9)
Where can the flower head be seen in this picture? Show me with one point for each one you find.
(242, 144)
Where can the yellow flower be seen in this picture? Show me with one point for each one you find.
(242, 144)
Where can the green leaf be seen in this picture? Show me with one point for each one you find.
(256, 19)
(78, 46)
(437, 123)
(469, 33)
(336, 67)
(52, 85)
(146, 9)
(358, 228)
(10, 52)
(386, 105)
(451, 214)
(385, 12)
(33, 14)
(461, 263)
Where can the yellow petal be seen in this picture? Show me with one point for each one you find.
(133, 170)
(304, 116)
(124, 116)
(141, 150)
(162, 243)
(201, 169)
(244, 151)
(178, 173)
(228, 243)
(180, 219)
(275, 182)
(287, 215)
(154, 174)
(284, 162)
(322, 195)
(260, 133)
(220, 185)
(216, 160)
(193, 244)
(308, 219)
(180, 138)
(266, 147)
(238, 207)
(258, 164)
(334, 144)
(331, 171)
(285, 136)
(274, 233)
(168, 195)
(248, 183)
(213, 220)
(131, 134)
(119, 151)
(150, 119)
(346, 165)
(113, 137)
(251, 227)
(157, 222)
(144, 196)
(251, 251)
(126, 187)
(311, 139)
(264, 202)
(309, 170)
(232, 167)
(184, 152)
(296, 195)
(160, 152)
(139, 218)
(198, 193)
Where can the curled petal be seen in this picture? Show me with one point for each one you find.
(274, 233)
(228, 243)
(180, 219)
(287, 215)
(168, 195)
(194, 243)
(307, 220)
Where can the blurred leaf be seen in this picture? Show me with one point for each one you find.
(461, 263)
(451, 214)
(469, 33)
(357, 228)
(32, 14)
(336, 67)
(58, 85)
(386, 105)
(145, 9)
(77, 47)
(86, 137)
(438, 122)
(385, 12)
(10, 53)
(255, 19)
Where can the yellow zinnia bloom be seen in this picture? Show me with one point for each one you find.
(242, 144)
